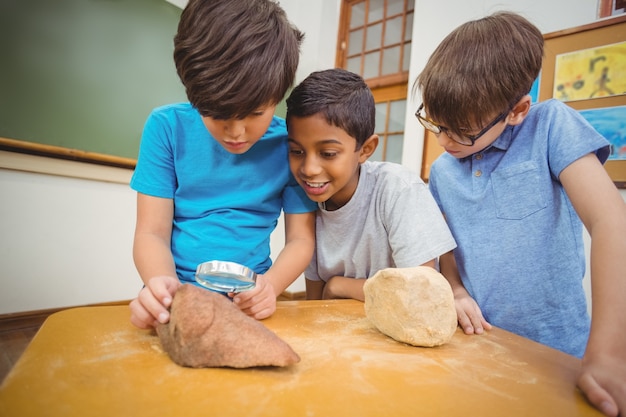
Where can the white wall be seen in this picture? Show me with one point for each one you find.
(66, 228)
(64, 241)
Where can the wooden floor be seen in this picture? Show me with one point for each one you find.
(13, 342)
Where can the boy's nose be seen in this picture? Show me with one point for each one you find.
(443, 139)
(235, 128)
(309, 167)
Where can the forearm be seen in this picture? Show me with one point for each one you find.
(297, 252)
(152, 257)
(449, 270)
(289, 264)
(344, 287)
(608, 288)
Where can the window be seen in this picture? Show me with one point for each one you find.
(375, 42)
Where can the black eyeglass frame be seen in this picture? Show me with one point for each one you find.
(437, 129)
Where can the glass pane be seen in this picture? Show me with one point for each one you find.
(394, 7)
(397, 111)
(373, 36)
(371, 65)
(408, 30)
(393, 31)
(354, 65)
(355, 42)
(357, 15)
(407, 57)
(394, 148)
(391, 60)
(377, 8)
(381, 118)
(411, 5)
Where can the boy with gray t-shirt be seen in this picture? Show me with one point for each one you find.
(371, 215)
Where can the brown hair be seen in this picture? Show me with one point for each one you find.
(235, 56)
(480, 69)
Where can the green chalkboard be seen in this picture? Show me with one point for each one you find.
(84, 74)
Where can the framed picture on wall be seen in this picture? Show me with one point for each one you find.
(585, 67)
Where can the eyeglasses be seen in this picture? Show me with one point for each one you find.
(467, 140)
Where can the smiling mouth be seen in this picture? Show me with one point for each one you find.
(315, 188)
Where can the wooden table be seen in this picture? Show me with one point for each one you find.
(93, 362)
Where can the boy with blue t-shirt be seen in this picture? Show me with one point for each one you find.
(516, 184)
(371, 215)
(212, 175)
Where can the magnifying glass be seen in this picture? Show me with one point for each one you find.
(225, 276)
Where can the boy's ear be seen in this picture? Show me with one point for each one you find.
(368, 148)
(519, 111)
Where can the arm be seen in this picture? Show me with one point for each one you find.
(603, 212)
(260, 302)
(468, 312)
(346, 287)
(154, 261)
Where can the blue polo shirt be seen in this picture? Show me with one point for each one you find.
(225, 205)
(520, 246)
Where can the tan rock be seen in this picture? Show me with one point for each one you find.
(411, 305)
(206, 330)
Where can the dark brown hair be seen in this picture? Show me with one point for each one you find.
(480, 69)
(235, 56)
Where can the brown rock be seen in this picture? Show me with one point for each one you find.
(206, 330)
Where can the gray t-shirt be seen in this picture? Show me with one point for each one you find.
(391, 221)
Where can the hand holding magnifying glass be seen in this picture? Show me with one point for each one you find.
(225, 277)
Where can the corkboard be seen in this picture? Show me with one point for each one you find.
(594, 35)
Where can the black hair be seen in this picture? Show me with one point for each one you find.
(341, 97)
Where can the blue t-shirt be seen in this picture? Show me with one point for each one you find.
(225, 205)
(520, 246)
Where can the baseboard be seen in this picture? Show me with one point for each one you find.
(29, 319)
(292, 296)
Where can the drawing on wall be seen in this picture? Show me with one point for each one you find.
(611, 123)
(591, 73)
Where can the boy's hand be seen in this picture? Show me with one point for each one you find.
(469, 315)
(603, 381)
(259, 302)
(152, 304)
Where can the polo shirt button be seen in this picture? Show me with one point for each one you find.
(478, 173)
(479, 156)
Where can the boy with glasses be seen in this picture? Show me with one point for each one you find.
(514, 184)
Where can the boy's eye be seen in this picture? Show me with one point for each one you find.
(328, 154)
(296, 152)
